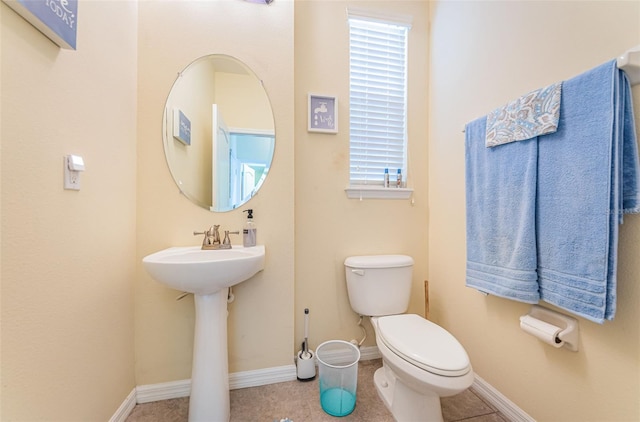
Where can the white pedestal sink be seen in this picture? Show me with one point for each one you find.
(207, 274)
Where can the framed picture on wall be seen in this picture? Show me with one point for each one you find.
(181, 127)
(323, 114)
(57, 20)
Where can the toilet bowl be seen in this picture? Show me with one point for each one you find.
(421, 361)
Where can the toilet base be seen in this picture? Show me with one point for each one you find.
(404, 403)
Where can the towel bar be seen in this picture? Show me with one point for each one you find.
(629, 62)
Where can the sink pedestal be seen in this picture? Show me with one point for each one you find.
(207, 274)
(209, 399)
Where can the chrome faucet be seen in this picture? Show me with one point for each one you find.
(211, 238)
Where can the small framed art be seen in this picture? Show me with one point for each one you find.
(56, 19)
(323, 114)
(181, 127)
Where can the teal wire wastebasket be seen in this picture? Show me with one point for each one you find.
(338, 376)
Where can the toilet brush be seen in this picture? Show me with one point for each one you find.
(305, 362)
(305, 346)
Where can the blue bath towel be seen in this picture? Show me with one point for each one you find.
(587, 178)
(543, 214)
(500, 202)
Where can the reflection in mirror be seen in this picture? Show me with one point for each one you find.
(218, 133)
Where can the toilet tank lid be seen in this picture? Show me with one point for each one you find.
(378, 261)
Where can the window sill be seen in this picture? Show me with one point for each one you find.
(377, 192)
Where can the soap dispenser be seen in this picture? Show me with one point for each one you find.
(249, 232)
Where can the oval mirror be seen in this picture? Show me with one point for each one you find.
(218, 132)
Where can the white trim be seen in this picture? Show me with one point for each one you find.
(336, 356)
(377, 192)
(125, 408)
(370, 353)
(182, 388)
(251, 131)
(379, 16)
(163, 391)
(262, 377)
(505, 406)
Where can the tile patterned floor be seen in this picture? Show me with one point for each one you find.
(299, 402)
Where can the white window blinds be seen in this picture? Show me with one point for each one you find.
(378, 99)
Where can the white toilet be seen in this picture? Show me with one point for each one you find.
(421, 361)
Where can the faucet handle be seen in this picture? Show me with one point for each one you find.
(205, 232)
(211, 231)
(226, 240)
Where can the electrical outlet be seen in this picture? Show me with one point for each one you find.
(71, 177)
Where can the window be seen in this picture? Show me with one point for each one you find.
(378, 99)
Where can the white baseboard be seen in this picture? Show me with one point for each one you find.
(366, 353)
(370, 353)
(125, 408)
(182, 388)
(163, 391)
(260, 377)
(505, 406)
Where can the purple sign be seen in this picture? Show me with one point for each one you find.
(323, 114)
(57, 19)
(181, 127)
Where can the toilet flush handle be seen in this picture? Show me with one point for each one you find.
(358, 272)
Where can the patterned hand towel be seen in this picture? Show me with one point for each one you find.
(587, 178)
(533, 114)
(500, 195)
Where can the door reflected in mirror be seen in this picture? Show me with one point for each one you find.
(218, 133)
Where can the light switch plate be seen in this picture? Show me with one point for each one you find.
(71, 177)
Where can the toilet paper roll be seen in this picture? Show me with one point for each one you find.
(541, 330)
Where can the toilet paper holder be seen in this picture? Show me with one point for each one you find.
(567, 327)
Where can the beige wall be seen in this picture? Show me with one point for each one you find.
(482, 55)
(68, 257)
(245, 104)
(172, 34)
(330, 227)
(74, 291)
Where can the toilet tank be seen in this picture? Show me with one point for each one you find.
(379, 284)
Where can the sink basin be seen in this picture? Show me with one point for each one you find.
(202, 272)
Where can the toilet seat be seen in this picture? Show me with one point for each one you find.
(423, 344)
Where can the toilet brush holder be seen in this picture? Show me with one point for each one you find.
(306, 365)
